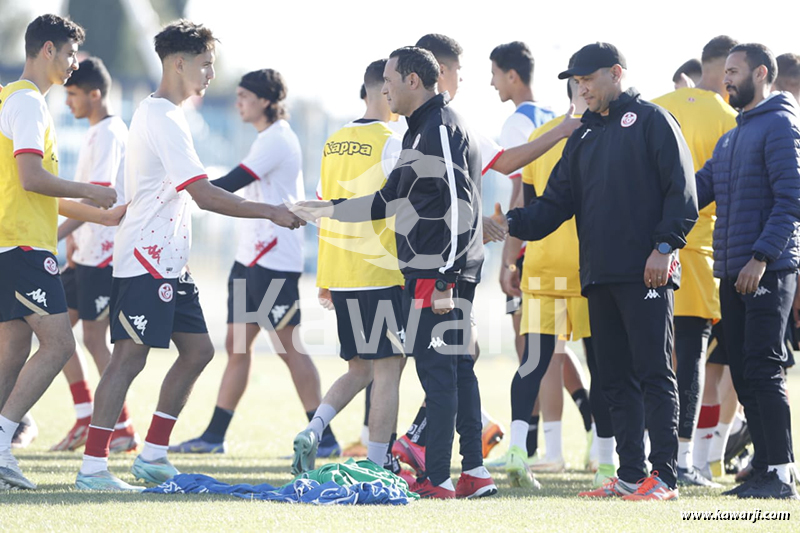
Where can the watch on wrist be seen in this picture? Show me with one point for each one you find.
(663, 248)
(758, 256)
(441, 285)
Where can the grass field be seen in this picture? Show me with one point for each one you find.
(262, 431)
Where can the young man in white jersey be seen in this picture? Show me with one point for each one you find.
(357, 161)
(272, 173)
(32, 297)
(154, 299)
(87, 281)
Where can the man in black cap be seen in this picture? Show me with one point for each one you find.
(626, 175)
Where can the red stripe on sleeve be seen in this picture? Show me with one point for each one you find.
(102, 183)
(150, 268)
(188, 182)
(492, 162)
(515, 176)
(244, 167)
(29, 151)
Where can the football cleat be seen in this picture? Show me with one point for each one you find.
(26, 432)
(157, 471)
(547, 465)
(124, 440)
(305, 452)
(475, 487)
(612, 488)
(652, 488)
(491, 436)
(410, 453)
(11, 474)
(355, 449)
(328, 447)
(426, 490)
(518, 470)
(770, 486)
(692, 477)
(104, 481)
(603, 474)
(76, 437)
(198, 445)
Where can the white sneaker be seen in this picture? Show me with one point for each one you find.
(10, 472)
(549, 465)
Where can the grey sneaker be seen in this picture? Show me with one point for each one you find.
(157, 471)
(305, 452)
(692, 477)
(104, 481)
(10, 473)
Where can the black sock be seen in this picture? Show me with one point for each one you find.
(414, 429)
(367, 403)
(220, 420)
(581, 398)
(533, 435)
(390, 463)
(327, 434)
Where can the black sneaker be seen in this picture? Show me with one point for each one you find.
(737, 442)
(753, 480)
(692, 477)
(769, 485)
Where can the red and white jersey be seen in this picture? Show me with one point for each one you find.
(156, 233)
(275, 161)
(519, 126)
(101, 161)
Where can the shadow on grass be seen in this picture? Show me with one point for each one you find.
(56, 495)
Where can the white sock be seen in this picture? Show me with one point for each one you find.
(718, 442)
(122, 425)
(376, 452)
(784, 472)
(702, 441)
(646, 439)
(684, 454)
(448, 484)
(152, 452)
(485, 419)
(479, 472)
(593, 453)
(519, 435)
(83, 410)
(322, 417)
(605, 450)
(7, 429)
(93, 465)
(364, 435)
(552, 440)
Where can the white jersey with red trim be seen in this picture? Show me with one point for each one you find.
(101, 161)
(490, 151)
(156, 233)
(275, 161)
(519, 126)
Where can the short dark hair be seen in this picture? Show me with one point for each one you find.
(184, 37)
(91, 75)
(374, 74)
(756, 55)
(788, 66)
(718, 48)
(270, 85)
(57, 30)
(445, 49)
(419, 61)
(514, 55)
(690, 68)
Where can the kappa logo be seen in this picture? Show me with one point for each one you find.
(154, 252)
(628, 119)
(165, 292)
(652, 294)
(100, 303)
(139, 322)
(278, 311)
(761, 291)
(107, 246)
(51, 266)
(348, 148)
(38, 296)
(726, 142)
(436, 342)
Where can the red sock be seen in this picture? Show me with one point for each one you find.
(97, 441)
(709, 417)
(80, 392)
(123, 416)
(160, 429)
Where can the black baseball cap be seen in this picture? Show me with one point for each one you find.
(592, 57)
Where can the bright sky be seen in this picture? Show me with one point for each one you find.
(322, 48)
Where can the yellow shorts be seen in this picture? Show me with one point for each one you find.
(547, 315)
(699, 292)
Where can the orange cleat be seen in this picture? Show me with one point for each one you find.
(410, 453)
(491, 436)
(124, 440)
(76, 437)
(355, 449)
(652, 488)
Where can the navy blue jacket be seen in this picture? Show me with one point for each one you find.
(754, 176)
(627, 179)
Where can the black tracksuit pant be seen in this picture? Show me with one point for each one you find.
(691, 342)
(451, 388)
(754, 330)
(633, 338)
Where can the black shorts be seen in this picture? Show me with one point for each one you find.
(88, 290)
(514, 303)
(358, 334)
(149, 310)
(30, 283)
(285, 308)
(717, 354)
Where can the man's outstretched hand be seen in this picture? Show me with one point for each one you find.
(495, 227)
(312, 210)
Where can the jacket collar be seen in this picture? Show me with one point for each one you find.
(420, 115)
(615, 108)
